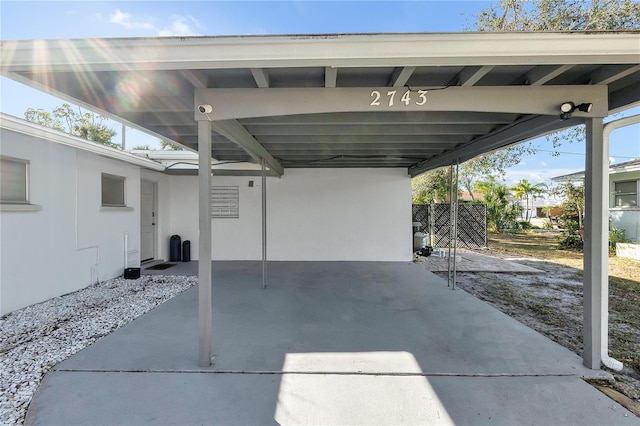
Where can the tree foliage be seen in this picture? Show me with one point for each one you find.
(560, 15)
(493, 163)
(501, 212)
(80, 123)
(572, 216)
(431, 187)
(168, 146)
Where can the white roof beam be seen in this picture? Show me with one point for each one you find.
(539, 100)
(431, 117)
(543, 74)
(330, 76)
(520, 131)
(469, 76)
(607, 75)
(196, 77)
(235, 132)
(367, 139)
(401, 75)
(261, 77)
(373, 129)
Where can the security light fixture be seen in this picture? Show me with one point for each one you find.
(585, 107)
(567, 108)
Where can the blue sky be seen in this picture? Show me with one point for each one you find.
(81, 19)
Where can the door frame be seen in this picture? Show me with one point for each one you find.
(155, 216)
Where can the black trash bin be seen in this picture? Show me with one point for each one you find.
(186, 251)
(174, 248)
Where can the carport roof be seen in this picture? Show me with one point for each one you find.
(356, 100)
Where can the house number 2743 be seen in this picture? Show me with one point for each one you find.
(390, 98)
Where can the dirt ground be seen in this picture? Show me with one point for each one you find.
(551, 302)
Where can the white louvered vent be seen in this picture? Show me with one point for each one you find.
(225, 202)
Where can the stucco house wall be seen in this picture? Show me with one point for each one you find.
(68, 241)
(312, 214)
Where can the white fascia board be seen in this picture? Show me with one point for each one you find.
(167, 155)
(625, 170)
(374, 50)
(32, 129)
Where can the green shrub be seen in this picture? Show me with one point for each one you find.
(616, 236)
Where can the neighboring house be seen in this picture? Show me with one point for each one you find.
(74, 212)
(624, 198)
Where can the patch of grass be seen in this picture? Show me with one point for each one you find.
(623, 273)
(624, 287)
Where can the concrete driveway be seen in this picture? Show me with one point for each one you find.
(326, 343)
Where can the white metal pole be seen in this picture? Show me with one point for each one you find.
(264, 225)
(124, 137)
(204, 257)
(455, 225)
(450, 225)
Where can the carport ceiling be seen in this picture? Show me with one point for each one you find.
(310, 101)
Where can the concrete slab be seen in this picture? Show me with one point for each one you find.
(326, 343)
(473, 261)
(318, 399)
(312, 308)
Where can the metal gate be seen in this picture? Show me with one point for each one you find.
(436, 221)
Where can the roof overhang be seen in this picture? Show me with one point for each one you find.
(417, 101)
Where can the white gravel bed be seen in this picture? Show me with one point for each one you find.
(36, 338)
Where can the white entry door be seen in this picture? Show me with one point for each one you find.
(148, 220)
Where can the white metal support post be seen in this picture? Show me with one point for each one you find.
(455, 227)
(264, 225)
(451, 214)
(204, 263)
(596, 229)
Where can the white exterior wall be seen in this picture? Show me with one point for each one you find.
(312, 214)
(70, 242)
(628, 220)
(624, 218)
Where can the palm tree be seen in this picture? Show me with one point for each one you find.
(524, 189)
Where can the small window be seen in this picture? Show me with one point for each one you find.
(14, 175)
(225, 202)
(113, 191)
(626, 193)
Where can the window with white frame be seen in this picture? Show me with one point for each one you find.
(626, 193)
(14, 178)
(113, 190)
(225, 202)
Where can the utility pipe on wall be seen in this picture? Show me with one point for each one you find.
(611, 363)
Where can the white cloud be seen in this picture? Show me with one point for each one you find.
(536, 176)
(180, 26)
(543, 164)
(127, 20)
